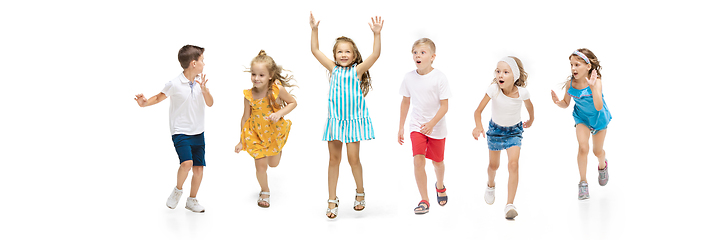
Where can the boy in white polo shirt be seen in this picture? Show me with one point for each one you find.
(428, 91)
(187, 121)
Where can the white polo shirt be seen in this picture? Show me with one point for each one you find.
(506, 110)
(187, 106)
(425, 93)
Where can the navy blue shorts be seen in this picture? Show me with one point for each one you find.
(501, 138)
(190, 147)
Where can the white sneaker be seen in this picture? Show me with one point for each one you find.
(174, 198)
(490, 195)
(193, 205)
(510, 211)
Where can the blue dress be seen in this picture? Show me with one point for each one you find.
(348, 117)
(584, 111)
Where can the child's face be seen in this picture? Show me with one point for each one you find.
(260, 75)
(344, 54)
(199, 64)
(504, 75)
(423, 56)
(578, 68)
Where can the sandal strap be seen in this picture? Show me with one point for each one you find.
(441, 190)
(336, 201)
(426, 203)
(265, 193)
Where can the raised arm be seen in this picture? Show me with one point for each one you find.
(596, 86)
(143, 102)
(375, 26)
(206, 92)
(478, 118)
(328, 63)
(565, 102)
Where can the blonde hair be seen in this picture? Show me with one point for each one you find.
(594, 63)
(275, 74)
(522, 81)
(427, 41)
(365, 82)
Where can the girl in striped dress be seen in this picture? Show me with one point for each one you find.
(348, 117)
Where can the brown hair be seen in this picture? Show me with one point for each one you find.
(522, 81)
(365, 82)
(427, 41)
(275, 74)
(189, 53)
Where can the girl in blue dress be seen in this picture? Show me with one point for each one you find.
(348, 119)
(591, 113)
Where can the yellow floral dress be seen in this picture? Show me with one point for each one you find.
(262, 137)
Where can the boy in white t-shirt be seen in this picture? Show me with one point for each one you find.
(187, 121)
(427, 90)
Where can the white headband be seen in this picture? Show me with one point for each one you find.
(513, 65)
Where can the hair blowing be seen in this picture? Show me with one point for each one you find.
(594, 64)
(275, 74)
(522, 81)
(365, 82)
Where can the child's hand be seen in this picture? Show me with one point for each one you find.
(141, 100)
(427, 128)
(376, 26)
(274, 117)
(477, 131)
(238, 147)
(593, 78)
(555, 97)
(313, 23)
(401, 136)
(527, 123)
(203, 83)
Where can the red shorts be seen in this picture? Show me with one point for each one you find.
(433, 149)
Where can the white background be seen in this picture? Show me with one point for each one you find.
(82, 160)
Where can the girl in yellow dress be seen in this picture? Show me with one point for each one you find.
(264, 130)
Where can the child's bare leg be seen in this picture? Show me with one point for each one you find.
(513, 172)
(183, 172)
(493, 165)
(598, 142)
(335, 150)
(440, 174)
(274, 161)
(196, 179)
(420, 176)
(261, 166)
(353, 152)
(583, 135)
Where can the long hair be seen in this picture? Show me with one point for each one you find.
(365, 82)
(275, 73)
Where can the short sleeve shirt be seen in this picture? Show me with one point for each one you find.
(425, 93)
(506, 110)
(187, 106)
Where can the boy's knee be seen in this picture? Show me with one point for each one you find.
(186, 165)
(197, 169)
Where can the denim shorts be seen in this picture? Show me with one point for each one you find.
(500, 138)
(190, 147)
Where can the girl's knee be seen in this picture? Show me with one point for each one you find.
(583, 149)
(493, 166)
(513, 166)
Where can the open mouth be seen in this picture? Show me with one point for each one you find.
(418, 61)
(501, 81)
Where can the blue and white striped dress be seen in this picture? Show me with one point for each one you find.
(348, 117)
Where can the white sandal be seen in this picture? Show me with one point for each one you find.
(267, 200)
(360, 203)
(334, 211)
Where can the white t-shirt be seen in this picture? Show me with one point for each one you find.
(506, 110)
(425, 93)
(187, 106)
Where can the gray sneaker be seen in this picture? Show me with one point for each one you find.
(583, 192)
(603, 175)
(174, 198)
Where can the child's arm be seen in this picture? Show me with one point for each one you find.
(478, 115)
(376, 26)
(596, 86)
(315, 46)
(427, 128)
(531, 112)
(291, 104)
(206, 92)
(565, 102)
(143, 102)
(246, 115)
(404, 107)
